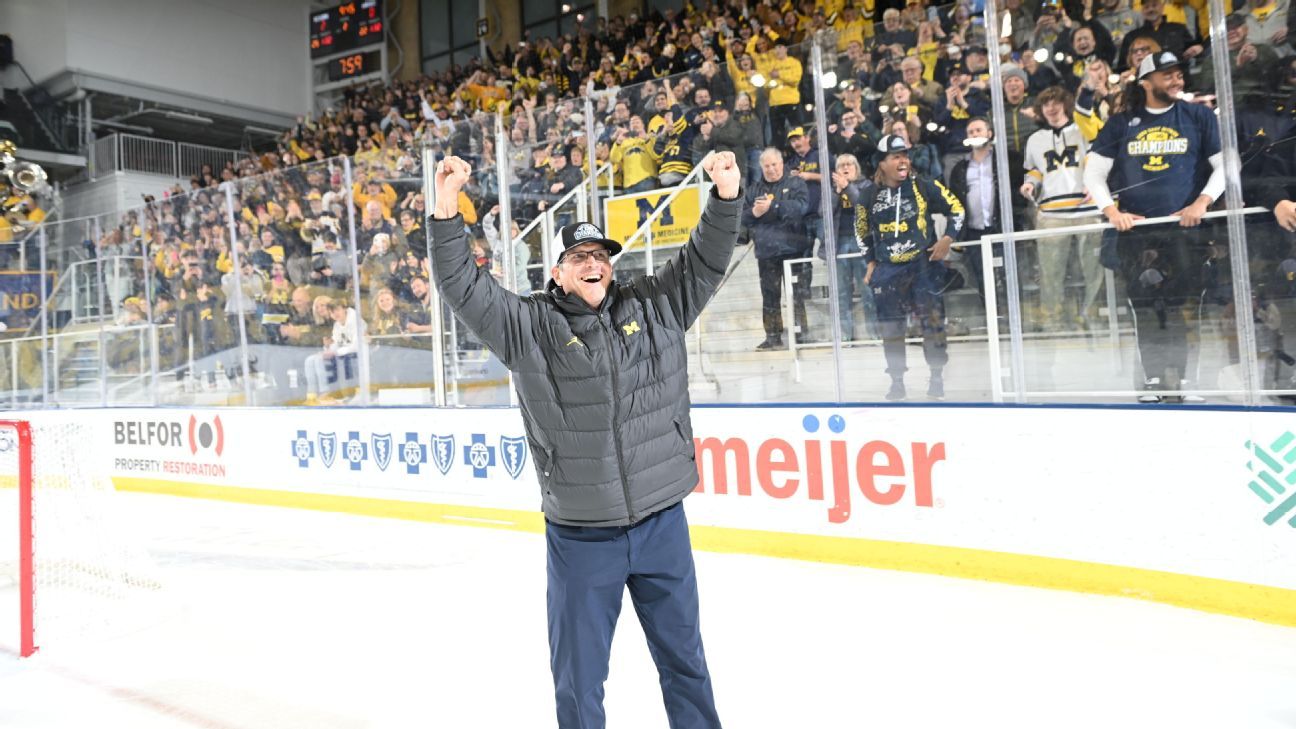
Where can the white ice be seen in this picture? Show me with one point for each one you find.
(282, 619)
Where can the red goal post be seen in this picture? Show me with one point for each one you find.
(26, 576)
(82, 572)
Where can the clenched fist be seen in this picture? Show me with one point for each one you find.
(725, 172)
(452, 174)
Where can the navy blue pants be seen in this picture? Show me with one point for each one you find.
(899, 289)
(589, 569)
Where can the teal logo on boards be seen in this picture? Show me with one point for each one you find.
(1275, 476)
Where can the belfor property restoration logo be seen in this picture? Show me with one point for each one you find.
(1274, 471)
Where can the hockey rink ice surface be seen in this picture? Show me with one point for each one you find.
(286, 619)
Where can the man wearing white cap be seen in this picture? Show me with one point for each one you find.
(1167, 157)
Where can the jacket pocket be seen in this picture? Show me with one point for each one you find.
(545, 460)
(686, 438)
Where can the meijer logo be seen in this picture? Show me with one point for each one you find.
(878, 468)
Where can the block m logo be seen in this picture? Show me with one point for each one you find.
(1275, 476)
(646, 207)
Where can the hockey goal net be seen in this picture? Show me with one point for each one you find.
(69, 565)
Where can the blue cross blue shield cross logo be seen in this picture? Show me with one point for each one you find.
(327, 447)
(513, 451)
(443, 452)
(413, 453)
(479, 456)
(303, 449)
(382, 449)
(356, 450)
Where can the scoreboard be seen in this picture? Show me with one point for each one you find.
(354, 64)
(345, 27)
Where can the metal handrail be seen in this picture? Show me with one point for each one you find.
(545, 219)
(14, 342)
(993, 335)
(561, 201)
(69, 275)
(685, 183)
(1099, 227)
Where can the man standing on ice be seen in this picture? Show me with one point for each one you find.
(601, 373)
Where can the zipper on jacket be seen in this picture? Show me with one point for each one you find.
(616, 436)
(899, 194)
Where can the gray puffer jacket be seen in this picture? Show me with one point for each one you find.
(603, 394)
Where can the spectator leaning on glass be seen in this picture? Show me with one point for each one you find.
(906, 260)
(601, 375)
(1166, 153)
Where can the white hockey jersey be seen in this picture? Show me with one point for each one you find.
(1054, 161)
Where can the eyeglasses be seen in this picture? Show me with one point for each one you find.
(578, 257)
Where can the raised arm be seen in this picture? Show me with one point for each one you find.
(689, 278)
(500, 319)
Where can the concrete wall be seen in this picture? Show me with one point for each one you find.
(244, 52)
(114, 192)
(39, 31)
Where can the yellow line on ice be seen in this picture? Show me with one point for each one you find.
(1258, 602)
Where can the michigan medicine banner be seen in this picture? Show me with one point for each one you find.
(625, 214)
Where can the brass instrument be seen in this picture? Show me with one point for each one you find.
(27, 180)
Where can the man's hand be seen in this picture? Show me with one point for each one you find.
(1246, 54)
(1191, 216)
(452, 174)
(1121, 221)
(1285, 212)
(724, 171)
(940, 251)
(1094, 76)
(761, 206)
(1028, 190)
(1193, 51)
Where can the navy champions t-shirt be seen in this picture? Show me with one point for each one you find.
(1160, 160)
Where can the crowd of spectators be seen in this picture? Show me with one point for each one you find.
(667, 88)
